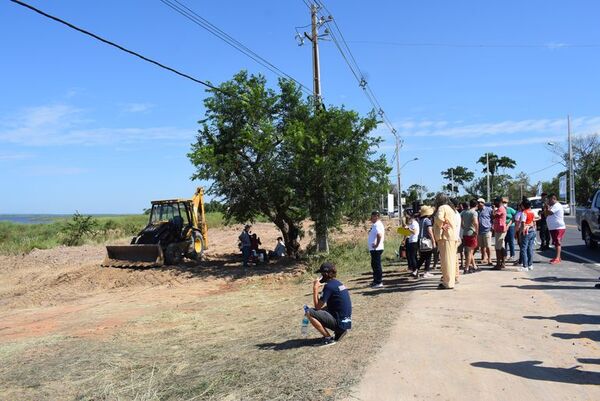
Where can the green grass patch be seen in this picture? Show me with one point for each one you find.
(18, 238)
(351, 257)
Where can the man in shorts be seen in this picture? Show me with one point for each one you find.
(556, 225)
(333, 310)
(484, 237)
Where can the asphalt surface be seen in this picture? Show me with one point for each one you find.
(571, 282)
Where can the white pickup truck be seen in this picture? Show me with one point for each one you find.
(588, 221)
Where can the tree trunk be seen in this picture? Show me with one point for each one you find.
(322, 238)
(290, 234)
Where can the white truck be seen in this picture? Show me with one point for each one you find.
(588, 221)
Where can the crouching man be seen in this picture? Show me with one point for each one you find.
(333, 311)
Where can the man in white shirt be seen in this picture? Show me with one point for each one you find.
(555, 220)
(376, 237)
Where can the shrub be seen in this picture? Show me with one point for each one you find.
(78, 229)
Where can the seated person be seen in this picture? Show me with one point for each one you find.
(254, 247)
(333, 310)
(280, 250)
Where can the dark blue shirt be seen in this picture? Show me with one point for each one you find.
(336, 296)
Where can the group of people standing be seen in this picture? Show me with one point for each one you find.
(452, 232)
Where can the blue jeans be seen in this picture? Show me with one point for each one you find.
(246, 255)
(376, 266)
(527, 248)
(509, 241)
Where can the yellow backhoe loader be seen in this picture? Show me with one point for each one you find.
(176, 229)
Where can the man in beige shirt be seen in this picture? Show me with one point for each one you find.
(445, 232)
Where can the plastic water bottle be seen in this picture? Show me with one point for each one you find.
(304, 326)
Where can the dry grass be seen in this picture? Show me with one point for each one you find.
(238, 343)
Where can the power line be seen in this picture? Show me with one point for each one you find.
(545, 168)
(124, 49)
(108, 42)
(478, 45)
(202, 22)
(338, 38)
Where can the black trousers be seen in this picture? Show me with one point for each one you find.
(544, 235)
(376, 266)
(411, 254)
(425, 257)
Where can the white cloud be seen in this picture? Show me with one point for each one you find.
(409, 128)
(136, 107)
(63, 124)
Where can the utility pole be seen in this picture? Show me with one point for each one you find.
(400, 211)
(487, 172)
(571, 170)
(322, 230)
(521, 187)
(314, 38)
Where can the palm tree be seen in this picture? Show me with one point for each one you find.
(494, 162)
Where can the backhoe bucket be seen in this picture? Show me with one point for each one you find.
(133, 256)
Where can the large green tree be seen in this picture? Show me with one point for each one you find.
(586, 161)
(269, 152)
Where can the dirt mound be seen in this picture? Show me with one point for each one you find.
(51, 276)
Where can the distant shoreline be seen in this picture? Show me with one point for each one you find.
(45, 218)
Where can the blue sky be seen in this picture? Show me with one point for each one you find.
(86, 127)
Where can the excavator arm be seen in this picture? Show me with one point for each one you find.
(199, 216)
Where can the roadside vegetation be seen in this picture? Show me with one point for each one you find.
(18, 238)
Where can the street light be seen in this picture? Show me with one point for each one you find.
(400, 211)
(570, 167)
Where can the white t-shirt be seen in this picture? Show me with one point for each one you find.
(458, 225)
(556, 220)
(376, 228)
(414, 226)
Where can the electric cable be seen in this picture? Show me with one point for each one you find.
(350, 60)
(202, 22)
(131, 52)
(108, 42)
(478, 45)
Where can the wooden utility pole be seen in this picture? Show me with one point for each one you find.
(315, 48)
(322, 229)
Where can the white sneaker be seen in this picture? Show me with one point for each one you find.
(415, 273)
(427, 275)
(530, 268)
(523, 269)
(380, 285)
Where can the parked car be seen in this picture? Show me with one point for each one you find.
(566, 208)
(536, 205)
(588, 221)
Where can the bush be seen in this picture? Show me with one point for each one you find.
(78, 229)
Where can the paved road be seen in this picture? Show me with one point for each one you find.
(572, 282)
(574, 245)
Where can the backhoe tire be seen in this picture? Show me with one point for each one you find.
(172, 255)
(196, 247)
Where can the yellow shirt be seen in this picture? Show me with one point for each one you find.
(444, 214)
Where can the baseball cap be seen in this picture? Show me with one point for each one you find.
(480, 200)
(326, 267)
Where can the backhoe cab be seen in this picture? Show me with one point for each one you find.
(176, 229)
